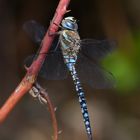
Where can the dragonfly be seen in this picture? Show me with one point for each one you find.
(79, 57)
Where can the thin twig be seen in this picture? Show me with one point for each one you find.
(32, 72)
(43, 96)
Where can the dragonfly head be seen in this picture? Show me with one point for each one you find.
(69, 23)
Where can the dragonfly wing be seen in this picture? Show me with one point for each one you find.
(53, 67)
(93, 75)
(97, 49)
(35, 30)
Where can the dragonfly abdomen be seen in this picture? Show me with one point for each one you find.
(82, 101)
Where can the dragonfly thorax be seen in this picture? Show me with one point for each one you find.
(70, 43)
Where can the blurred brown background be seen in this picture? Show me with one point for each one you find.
(115, 114)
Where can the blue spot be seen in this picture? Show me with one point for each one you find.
(87, 122)
(85, 115)
(84, 105)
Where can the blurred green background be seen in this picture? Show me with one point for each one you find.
(115, 114)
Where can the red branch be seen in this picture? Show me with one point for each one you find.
(32, 72)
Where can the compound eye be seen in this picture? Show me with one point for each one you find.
(69, 24)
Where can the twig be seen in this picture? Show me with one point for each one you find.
(32, 72)
(38, 92)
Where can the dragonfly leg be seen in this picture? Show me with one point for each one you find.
(50, 33)
(56, 24)
(56, 46)
(56, 33)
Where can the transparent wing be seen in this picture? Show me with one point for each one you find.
(97, 49)
(53, 67)
(35, 30)
(90, 73)
(93, 75)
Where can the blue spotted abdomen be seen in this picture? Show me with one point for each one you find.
(82, 101)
